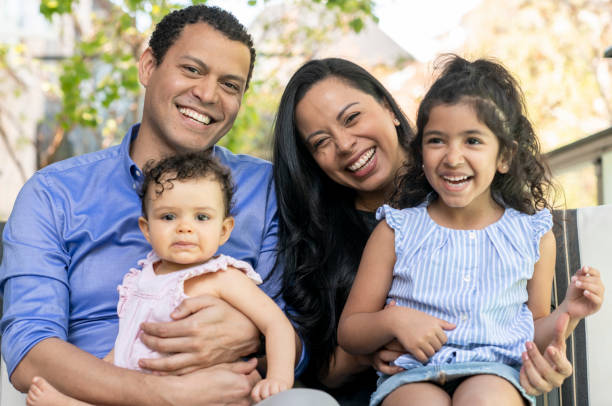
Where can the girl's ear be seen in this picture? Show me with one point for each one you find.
(226, 229)
(505, 158)
(143, 223)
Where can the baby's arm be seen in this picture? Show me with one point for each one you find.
(366, 324)
(238, 290)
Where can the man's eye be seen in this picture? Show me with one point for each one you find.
(202, 217)
(191, 69)
(232, 86)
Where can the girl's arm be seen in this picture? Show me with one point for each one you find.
(238, 290)
(366, 324)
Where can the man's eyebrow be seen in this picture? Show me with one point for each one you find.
(201, 64)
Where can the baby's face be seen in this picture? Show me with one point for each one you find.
(186, 224)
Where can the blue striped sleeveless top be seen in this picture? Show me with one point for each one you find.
(476, 279)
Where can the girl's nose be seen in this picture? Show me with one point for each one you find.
(454, 156)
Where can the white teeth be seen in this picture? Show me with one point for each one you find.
(365, 158)
(455, 178)
(195, 115)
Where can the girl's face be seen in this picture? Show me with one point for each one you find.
(351, 136)
(460, 156)
(186, 224)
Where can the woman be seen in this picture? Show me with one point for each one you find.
(339, 141)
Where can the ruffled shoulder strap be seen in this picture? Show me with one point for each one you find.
(541, 223)
(411, 226)
(130, 280)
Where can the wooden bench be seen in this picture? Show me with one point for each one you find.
(582, 238)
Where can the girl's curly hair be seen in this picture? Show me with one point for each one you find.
(193, 165)
(498, 101)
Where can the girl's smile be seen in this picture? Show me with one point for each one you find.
(460, 157)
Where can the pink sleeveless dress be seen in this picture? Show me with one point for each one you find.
(147, 297)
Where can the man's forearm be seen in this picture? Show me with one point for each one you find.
(81, 375)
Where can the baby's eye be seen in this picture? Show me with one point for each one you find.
(168, 217)
(202, 217)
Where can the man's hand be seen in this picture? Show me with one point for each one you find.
(206, 331)
(221, 385)
(540, 374)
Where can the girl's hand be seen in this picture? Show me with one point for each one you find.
(585, 293)
(419, 333)
(540, 374)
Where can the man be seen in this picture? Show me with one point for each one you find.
(73, 234)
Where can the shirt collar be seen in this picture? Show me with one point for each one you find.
(131, 168)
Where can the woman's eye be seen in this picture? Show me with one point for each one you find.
(351, 118)
(202, 217)
(168, 217)
(320, 142)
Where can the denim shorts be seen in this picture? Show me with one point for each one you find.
(444, 375)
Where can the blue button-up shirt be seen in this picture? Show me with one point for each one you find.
(73, 233)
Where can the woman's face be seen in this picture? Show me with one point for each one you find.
(351, 136)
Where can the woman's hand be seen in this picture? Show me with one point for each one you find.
(206, 331)
(381, 360)
(584, 294)
(540, 374)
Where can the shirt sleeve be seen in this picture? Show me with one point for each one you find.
(33, 274)
(269, 270)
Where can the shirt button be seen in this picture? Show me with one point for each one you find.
(472, 235)
(137, 173)
(134, 186)
(467, 278)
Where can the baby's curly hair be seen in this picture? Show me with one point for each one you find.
(498, 101)
(193, 165)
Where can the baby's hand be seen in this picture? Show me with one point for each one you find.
(419, 333)
(268, 387)
(585, 293)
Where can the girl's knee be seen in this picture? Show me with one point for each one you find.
(487, 390)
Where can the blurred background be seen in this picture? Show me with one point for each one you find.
(69, 84)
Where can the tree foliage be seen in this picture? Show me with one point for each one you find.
(99, 85)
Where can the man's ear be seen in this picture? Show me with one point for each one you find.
(143, 223)
(146, 66)
(226, 229)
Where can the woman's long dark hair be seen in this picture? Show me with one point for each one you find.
(321, 234)
(498, 101)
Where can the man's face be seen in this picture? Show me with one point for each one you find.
(193, 96)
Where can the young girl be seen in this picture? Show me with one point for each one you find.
(186, 217)
(469, 258)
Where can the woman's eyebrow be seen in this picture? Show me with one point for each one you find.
(344, 109)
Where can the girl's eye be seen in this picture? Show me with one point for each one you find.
(168, 217)
(433, 140)
(473, 141)
(202, 217)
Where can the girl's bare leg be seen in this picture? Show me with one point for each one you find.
(480, 390)
(419, 393)
(42, 393)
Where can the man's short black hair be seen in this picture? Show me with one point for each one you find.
(170, 28)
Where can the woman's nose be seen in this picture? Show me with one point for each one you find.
(345, 141)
